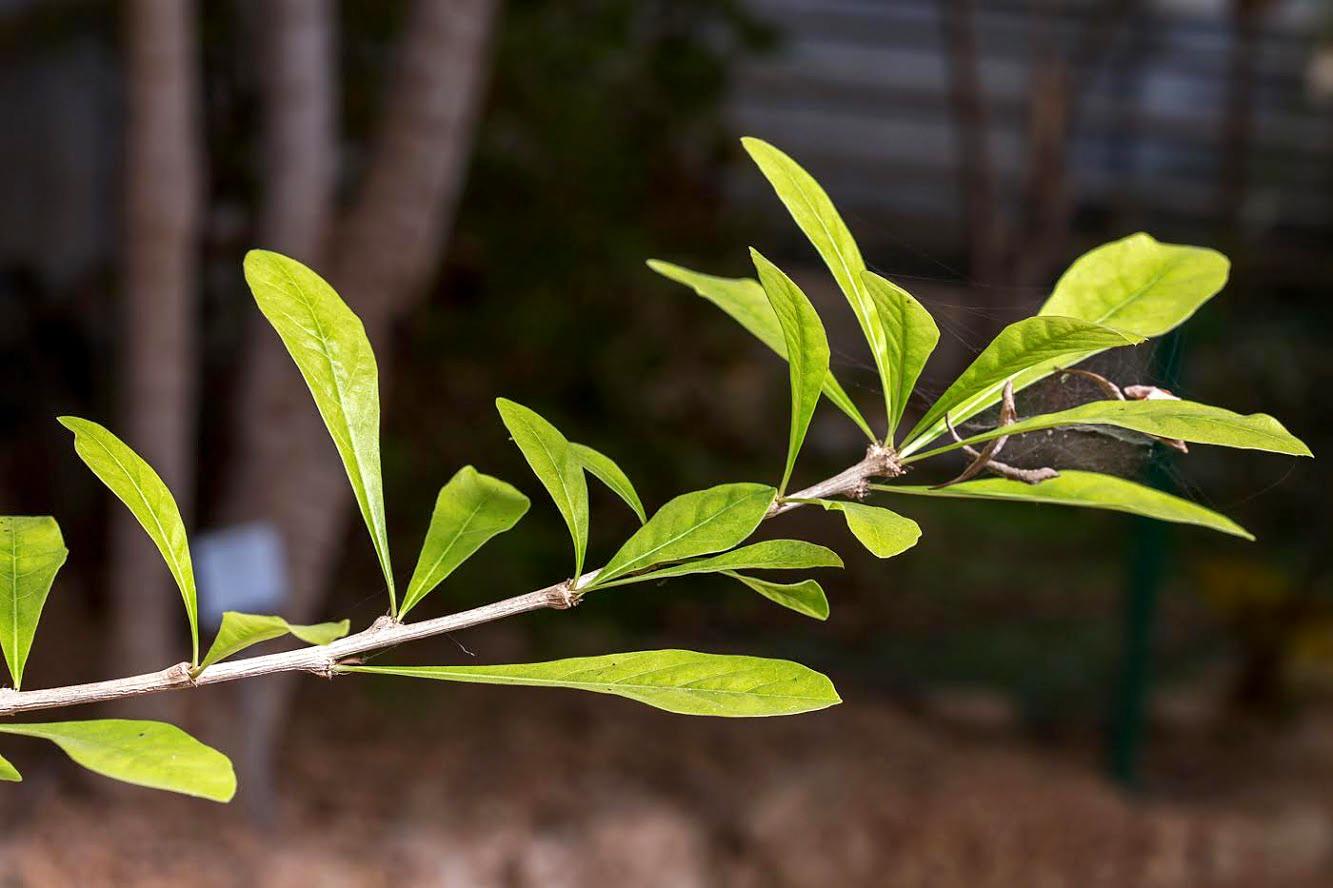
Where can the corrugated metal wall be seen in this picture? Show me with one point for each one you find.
(858, 91)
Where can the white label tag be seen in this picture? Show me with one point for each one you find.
(239, 568)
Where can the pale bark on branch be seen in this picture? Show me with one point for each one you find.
(323, 660)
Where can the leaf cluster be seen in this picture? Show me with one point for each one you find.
(1118, 295)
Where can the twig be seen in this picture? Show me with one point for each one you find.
(1106, 385)
(323, 660)
(984, 459)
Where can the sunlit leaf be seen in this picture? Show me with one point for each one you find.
(1019, 346)
(145, 753)
(683, 682)
(470, 510)
(806, 597)
(31, 551)
(146, 496)
(815, 215)
(1086, 490)
(697, 523)
(910, 335)
(767, 555)
(556, 465)
(1136, 285)
(807, 351)
(9, 772)
(745, 301)
(240, 631)
(1167, 418)
(329, 345)
(881, 531)
(605, 470)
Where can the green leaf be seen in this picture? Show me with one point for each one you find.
(883, 532)
(698, 523)
(9, 772)
(910, 335)
(556, 465)
(806, 597)
(807, 351)
(1181, 420)
(683, 682)
(148, 499)
(330, 348)
(815, 215)
(145, 753)
(610, 474)
(470, 510)
(31, 551)
(1139, 285)
(747, 303)
(1136, 285)
(240, 631)
(1019, 346)
(1086, 490)
(767, 555)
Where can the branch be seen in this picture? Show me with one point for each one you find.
(323, 660)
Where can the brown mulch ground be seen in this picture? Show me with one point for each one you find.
(482, 788)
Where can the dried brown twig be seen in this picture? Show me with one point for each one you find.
(1132, 393)
(985, 458)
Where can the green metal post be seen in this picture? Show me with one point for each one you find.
(1148, 556)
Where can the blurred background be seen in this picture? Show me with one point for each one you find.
(1033, 696)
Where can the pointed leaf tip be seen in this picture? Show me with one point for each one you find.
(605, 470)
(806, 597)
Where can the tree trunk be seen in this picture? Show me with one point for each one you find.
(979, 201)
(300, 141)
(383, 253)
(162, 187)
(379, 258)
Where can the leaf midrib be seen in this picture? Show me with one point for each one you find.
(1072, 416)
(176, 569)
(1138, 293)
(611, 685)
(631, 565)
(862, 310)
(410, 599)
(364, 492)
(568, 511)
(978, 391)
